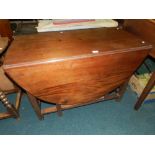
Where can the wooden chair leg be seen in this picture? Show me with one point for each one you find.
(121, 91)
(145, 92)
(59, 109)
(36, 105)
(10, 107)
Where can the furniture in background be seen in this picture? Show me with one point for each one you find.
(3, 45)
(74, 68)
(23, 26)
(7, 87)
(146, 30)
(5, 29)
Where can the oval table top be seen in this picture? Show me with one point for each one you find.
(73, 67)
(51, 46)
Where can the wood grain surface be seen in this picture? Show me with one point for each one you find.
(144, 28)
(51, 46)
(61, 67)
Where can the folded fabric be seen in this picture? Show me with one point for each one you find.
(47, 25)
(71, 21)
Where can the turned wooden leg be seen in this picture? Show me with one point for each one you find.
(10, 107)
(121, 91)
(36, 105)
(146, 91)
(59, 109)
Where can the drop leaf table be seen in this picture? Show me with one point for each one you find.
(74, 68)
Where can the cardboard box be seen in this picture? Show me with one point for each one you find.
(138, 83)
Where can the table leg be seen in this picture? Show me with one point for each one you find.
(36, 105)
(10, 107)
(146, 91)
(121, 91)
(59, 109)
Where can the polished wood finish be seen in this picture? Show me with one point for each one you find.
(146, 30)
(71, 82)
(74, 67)
(143, 28)
(59, 108)
(51, 47)
(5, 29)
(64, 107)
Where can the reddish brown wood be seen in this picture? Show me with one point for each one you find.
(62, 67)
(64, 107)
(59, 109)
(5, 29)
(83, 80)
(56, 46)
(36, 105)
(146, 30)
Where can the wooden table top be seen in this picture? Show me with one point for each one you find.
(74, 67)
(144, 28)
(54, 46)
(3, 43)
(152, 53)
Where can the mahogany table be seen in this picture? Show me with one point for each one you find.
(74, 68)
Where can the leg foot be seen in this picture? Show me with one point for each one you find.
(59, 110)
(10, 107)
(36, 105)
(121, 91)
